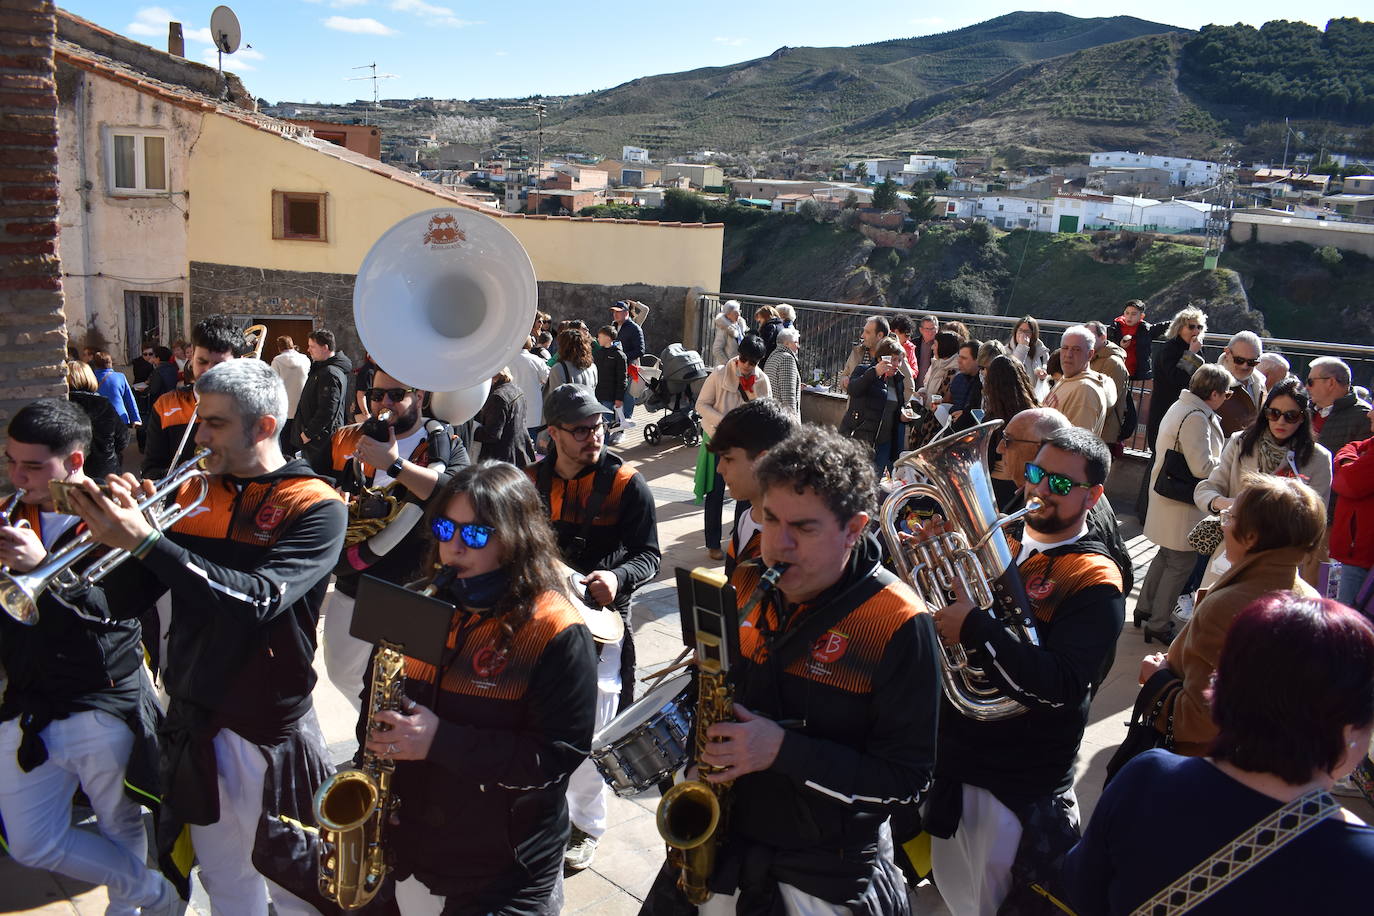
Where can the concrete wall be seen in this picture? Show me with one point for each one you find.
(114, 244)
(1317, 233)
(231, 222)
(32, 339)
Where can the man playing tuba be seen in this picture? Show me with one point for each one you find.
(390, 480)
(1002, 810)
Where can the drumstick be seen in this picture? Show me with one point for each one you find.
(682, 661)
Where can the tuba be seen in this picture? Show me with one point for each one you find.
(974, 554)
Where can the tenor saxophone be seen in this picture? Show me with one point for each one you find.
(692, 815)
(354, 805)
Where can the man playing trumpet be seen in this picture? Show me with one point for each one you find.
(247, 570)
(416, 459)
(74, 705)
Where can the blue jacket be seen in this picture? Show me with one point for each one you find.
(117, 390)
(631, 340)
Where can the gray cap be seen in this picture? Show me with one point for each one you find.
(570, 403)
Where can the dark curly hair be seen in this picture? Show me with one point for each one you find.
(504, 497)
(1007, 389)
(840, 470)
(575, 346)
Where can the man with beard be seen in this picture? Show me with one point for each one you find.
(415, 460)
(215, 340)
(1003, 812)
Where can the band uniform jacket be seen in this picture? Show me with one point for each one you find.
(165, 425)
(404, 562)
(1077, 604)
(484, 816)
(865, 696)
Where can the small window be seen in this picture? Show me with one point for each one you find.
(137, 161)
(299, 215)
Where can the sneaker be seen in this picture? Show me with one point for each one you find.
(627, 423)
(580, 852)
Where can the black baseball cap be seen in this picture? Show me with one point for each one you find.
(570, 403)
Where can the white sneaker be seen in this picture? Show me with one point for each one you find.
(1183, 610)
(627, 423)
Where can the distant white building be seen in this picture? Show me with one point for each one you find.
(878, 169)
(1187, 172)
(1006, 212)
(633, 154)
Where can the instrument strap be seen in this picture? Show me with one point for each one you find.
(601, 488)
(785, 645)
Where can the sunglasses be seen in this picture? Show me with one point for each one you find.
(1195, 327)
(1315, 378)
(582, 433)
(1242, 361)
(1291, 416)
(147, 352)
(396, 394)
(1059, 484)
(473, 535)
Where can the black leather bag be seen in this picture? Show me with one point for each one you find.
(1176, 480)
(1158, 692)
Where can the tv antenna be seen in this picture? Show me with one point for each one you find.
(226, 34)
(540, 109)
(374, 76)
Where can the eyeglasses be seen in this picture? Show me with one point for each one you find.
(1195, 327)
(1315, 378)
(1290, 416)
(396, 394)
(147, 352)
(1012, 440)
(473, 535)
(582, 433)
(1059, 484)
(1242, 361)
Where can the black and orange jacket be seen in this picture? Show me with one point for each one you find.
(404, 562)
(247, 570)
(737, 554)
(1075, 596)
(624, 535)
(163, 429)
(486, 809)
(865, 695)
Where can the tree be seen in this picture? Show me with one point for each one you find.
(851, 201)
(922, 206)
(941, 180)
(809, 209)
(861, 172)
(885, 195)
(458, 129)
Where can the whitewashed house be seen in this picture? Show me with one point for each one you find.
(1183, 171)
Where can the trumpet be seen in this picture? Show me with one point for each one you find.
(10, 512)
(19, 592)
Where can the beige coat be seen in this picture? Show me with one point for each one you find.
(1198, 431)
(1085, 398)
(1110, 360)
(721, 394)
(1228, 477)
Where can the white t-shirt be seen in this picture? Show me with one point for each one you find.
(1030, 542)
(405, 448)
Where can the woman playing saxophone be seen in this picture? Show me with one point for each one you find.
(484, 754)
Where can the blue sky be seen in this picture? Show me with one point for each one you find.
(305, 50)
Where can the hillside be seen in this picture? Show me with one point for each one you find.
(1286, 290)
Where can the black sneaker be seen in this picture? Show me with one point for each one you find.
(580, 852)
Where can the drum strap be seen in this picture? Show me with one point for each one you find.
(573, 549)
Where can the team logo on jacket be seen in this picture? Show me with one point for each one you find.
(830, 647)
(488, 662)
(1038, 588)
(268, 518)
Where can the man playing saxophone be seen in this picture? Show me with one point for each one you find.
(835, 696)
(1002, 810)
(484, 752)
(247, 569)
(415, 457)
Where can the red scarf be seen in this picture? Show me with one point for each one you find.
(746, 383)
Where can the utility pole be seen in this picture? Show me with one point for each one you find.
(1218, 220)
(540, 109)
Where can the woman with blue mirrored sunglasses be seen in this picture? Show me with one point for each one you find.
(473, 535)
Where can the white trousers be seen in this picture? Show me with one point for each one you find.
(91, 749)
(972, 869)
(225, 848)
(345, 656)
(587, 791)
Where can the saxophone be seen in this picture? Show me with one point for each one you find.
(693, 814)
(354, 805)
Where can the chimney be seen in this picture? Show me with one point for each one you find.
(176, 44)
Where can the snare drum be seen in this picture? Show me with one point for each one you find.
(647, 742)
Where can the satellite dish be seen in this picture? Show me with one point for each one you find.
(224, 30)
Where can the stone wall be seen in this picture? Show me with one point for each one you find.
(252, 292)
(33, 339)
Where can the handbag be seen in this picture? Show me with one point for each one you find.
(1205, 537)
(1175, 480)
(1141, 735)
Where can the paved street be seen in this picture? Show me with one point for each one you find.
(631, 852)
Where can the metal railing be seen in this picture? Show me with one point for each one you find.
(830, 331)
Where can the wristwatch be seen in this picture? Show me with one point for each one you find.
(396, 466)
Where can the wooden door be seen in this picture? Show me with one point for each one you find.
(298, 329)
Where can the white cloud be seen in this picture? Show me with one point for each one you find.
(201, 35)
(340, 3)
(500, 53)
(362, 26)
(435, 15)
(732, 42)
(151, 22)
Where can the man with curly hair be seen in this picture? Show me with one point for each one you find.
(836, 690)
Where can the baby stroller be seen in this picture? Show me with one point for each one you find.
(672, 383)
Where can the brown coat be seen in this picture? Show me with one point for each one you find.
(1194, 652)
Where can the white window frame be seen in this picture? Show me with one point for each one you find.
(140, 166)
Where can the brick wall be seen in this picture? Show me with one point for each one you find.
(32, 335)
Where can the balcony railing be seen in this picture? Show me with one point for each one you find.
(830, 330)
